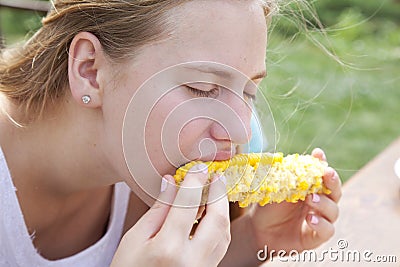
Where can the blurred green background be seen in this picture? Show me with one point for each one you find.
(347, 103)
(334, 87)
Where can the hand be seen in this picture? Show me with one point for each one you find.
(302, 225)
(161, 236)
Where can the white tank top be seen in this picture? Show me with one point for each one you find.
(17, 249)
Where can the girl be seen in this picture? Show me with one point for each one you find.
(75, 112)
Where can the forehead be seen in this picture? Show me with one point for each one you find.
(229, 32)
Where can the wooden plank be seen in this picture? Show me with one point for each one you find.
(33, 5)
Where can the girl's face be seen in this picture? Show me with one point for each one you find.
(187, 97)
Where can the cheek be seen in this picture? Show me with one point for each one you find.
(171, 141)
(113, 112)
(163, 143)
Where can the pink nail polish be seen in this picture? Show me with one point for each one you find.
(203, 168)
(164, 184)
(314, 220)
(223, 179)
(335, 176)
(330, 171)
(316, 198)
(199, 167)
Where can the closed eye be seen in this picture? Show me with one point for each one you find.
(214, 92)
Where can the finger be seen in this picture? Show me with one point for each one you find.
(151, 222)
(323, 206)
(182, 214)
(322, 230)
(332, 182)
(319, 153)
(215, 225)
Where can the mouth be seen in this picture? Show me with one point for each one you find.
(218, 156)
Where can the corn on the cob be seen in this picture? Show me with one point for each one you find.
(265, 178)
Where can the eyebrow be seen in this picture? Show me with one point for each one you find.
(223, 73)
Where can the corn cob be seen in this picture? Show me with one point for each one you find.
(265, 177)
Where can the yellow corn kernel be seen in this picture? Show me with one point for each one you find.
(265, 177)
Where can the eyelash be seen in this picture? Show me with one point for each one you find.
(214, 93)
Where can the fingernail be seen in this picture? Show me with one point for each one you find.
(335, 176)
(314, 219)
(223, 179)
(330, 172)
(164, 184)
(316, 198)
(199, 167)
(319, 150)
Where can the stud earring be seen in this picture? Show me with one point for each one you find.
(86, 99)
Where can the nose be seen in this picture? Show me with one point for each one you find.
(235, 127)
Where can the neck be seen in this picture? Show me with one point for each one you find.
(62, 178)
(56, 154)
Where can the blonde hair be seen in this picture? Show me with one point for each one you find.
(36, 74)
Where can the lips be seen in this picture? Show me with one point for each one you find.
(218, 156)
(222, 155)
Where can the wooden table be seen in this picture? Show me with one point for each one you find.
(369, 220)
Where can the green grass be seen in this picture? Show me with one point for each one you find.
(351, 112)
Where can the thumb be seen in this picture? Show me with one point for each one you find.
(150, 223)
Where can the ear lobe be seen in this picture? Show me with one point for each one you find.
(85, 56)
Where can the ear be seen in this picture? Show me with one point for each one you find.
(85, 57)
